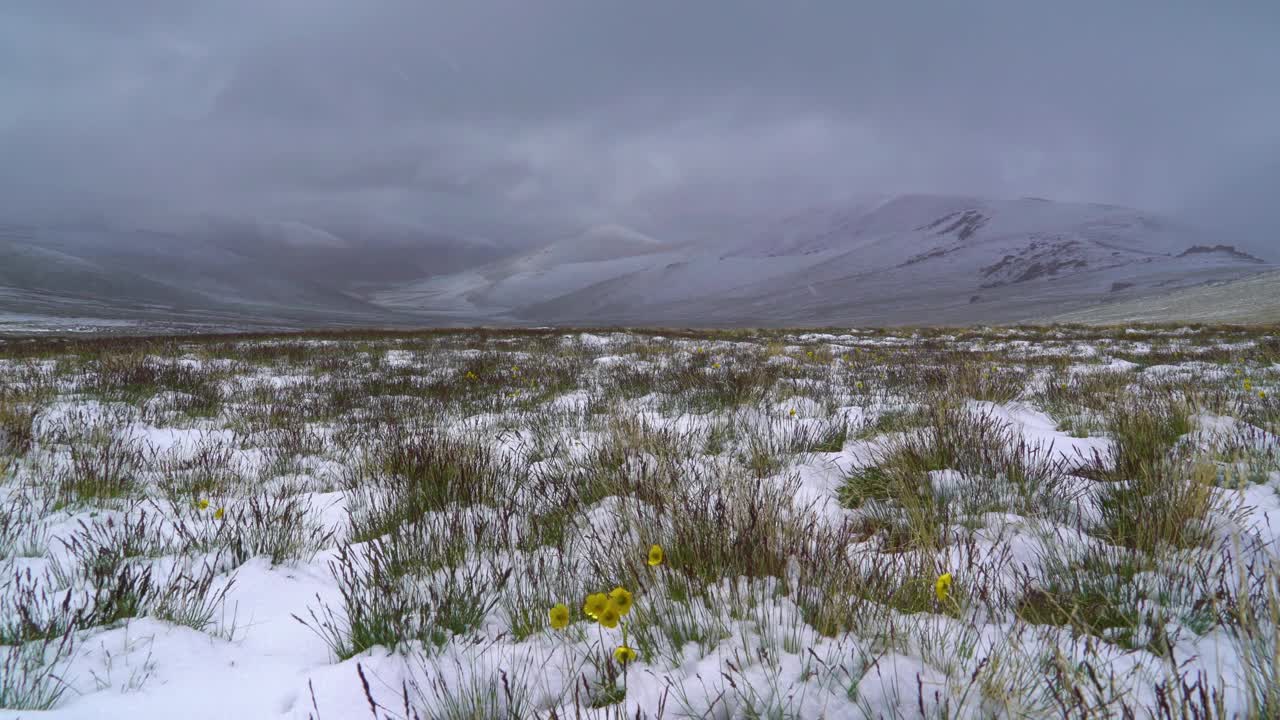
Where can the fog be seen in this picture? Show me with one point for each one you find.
(475, 115)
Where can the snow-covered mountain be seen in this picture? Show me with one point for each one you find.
(913, 259)
(241, 273)
(909, 259)
(565, 266)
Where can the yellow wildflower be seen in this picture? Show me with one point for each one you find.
(715, 365)
(942, 588)
(1248, 385)
(609, 617)
(793, 412)
(203, 504)
(1262, 394)
(217, 514)
(620, 600)
(596, 604)
(624, 654)
(559, 616)
(655, 555)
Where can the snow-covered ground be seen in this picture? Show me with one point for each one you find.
(982, 523)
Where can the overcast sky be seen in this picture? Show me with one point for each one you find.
(586, 110)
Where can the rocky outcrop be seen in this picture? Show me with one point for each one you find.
(1221, 249)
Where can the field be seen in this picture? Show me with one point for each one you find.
(1005, 522)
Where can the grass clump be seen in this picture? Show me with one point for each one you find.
(1120, 595)
(103, 468)
(423, 471)
(16, 428)
(1166, 505)
(279, 524)
(962, 465)
(385, 603)
(1153, 497)
(31, 673)
(1143, 430)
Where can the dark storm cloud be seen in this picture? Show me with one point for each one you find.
(584, 110)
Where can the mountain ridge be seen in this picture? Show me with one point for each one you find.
(906, 259)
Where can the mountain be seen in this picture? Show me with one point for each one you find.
(911, 259)
(239, 273)
(598, 254)
(907, 259)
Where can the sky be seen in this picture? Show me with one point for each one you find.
(582, 111)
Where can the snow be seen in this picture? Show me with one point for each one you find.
(263, 672)
(843, 264)
(261, 659)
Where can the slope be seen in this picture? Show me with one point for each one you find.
(1251, 300)
(912, 259)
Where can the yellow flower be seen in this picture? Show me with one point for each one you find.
(655, 555)
(810, 353)
(559, 616)
(942, 588)
(1248, 385)
(1262, 394)
(620, 600)
(858, 385)
(793, 412)
(217, 514)
(596, 604)
(609, 616)
(203, 504)
(624, 654)
(715, 365)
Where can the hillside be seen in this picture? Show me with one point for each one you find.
(242, 274)
(1251, 300)
(912, 259)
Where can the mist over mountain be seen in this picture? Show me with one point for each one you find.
(422, 161)
(908, 259)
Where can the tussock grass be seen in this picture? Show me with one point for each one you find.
(383, 607)
(421, 472)
(15, 428)
(488, 475)
(104, 468)
(1144, 431)
(962, 465)
(31, 673)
